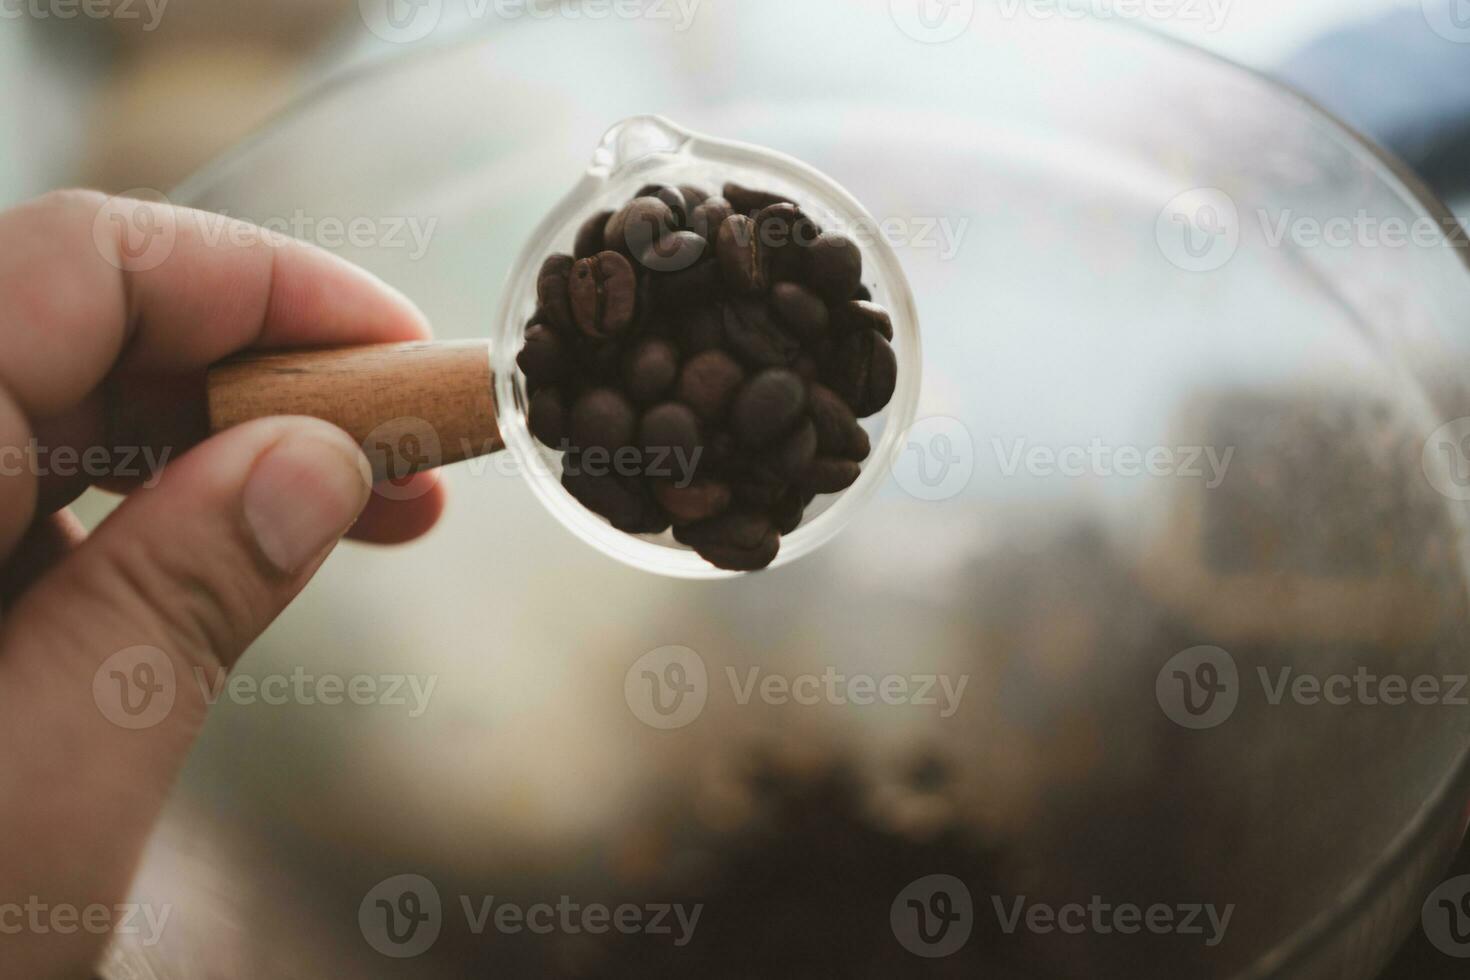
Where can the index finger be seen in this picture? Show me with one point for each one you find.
(90, 283)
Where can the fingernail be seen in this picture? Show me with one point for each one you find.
(303, 494)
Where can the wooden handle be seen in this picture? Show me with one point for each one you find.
(411, 407)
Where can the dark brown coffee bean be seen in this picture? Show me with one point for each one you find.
(806, 367)
(708, 384)
(795, 452)
(787, 512)
(701, 329)
(754, 336)
(590, 235)
(671, 196)
(861, 446)
(755, 486)
(743, 262)
(622, 500)
(675, 252)
(693, 196)
(599, 363)
(670, 428)
(829, 475)
(861, 314)
(603, 291)
(542, 358)
(740, 541)
(552, 292)
(801, 310)
(833, 418)
(649, 369)
(677, 292)
(785, 233)
(863, 293)
(602, 419)
(640, 223)
(707, 218)
(548, 418)
(746, 200)
(864, 371)
(767, 407)
(701, 500)
(835, 267)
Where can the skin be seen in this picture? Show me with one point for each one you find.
(195, 566)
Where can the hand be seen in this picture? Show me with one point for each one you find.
(190, 568)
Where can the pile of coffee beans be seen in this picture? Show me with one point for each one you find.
(703, 362)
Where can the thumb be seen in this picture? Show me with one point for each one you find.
(106, 661)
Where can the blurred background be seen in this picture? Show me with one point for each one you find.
(528, 776)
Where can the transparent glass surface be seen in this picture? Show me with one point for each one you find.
(1088, 218)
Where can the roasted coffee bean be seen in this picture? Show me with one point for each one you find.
(801, 310)
(674, 252)
(599, 363)
(708, 383)
(602, 419)
(828, 475)
(746, 200)
(835, 267)
(590, 235)
(707, 218)
(864, 371)
(795, 452)
(552, 292)
(861, 445)
(622, 500)
(641, 222)
(767, 406)
(670, 431)
(787, 512)
(677, 292)
(784, 232)
(543, 358)
(806, 367)
(649, 369)
(603, 291)
(743, 261)
(833, 418)
(693, 196)
(752, 333)
(740, 541)
(701, 500)
(861, 314)
(756, 486)
(863, 293)
(701, 329)
(671, 196)
(548, 417)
